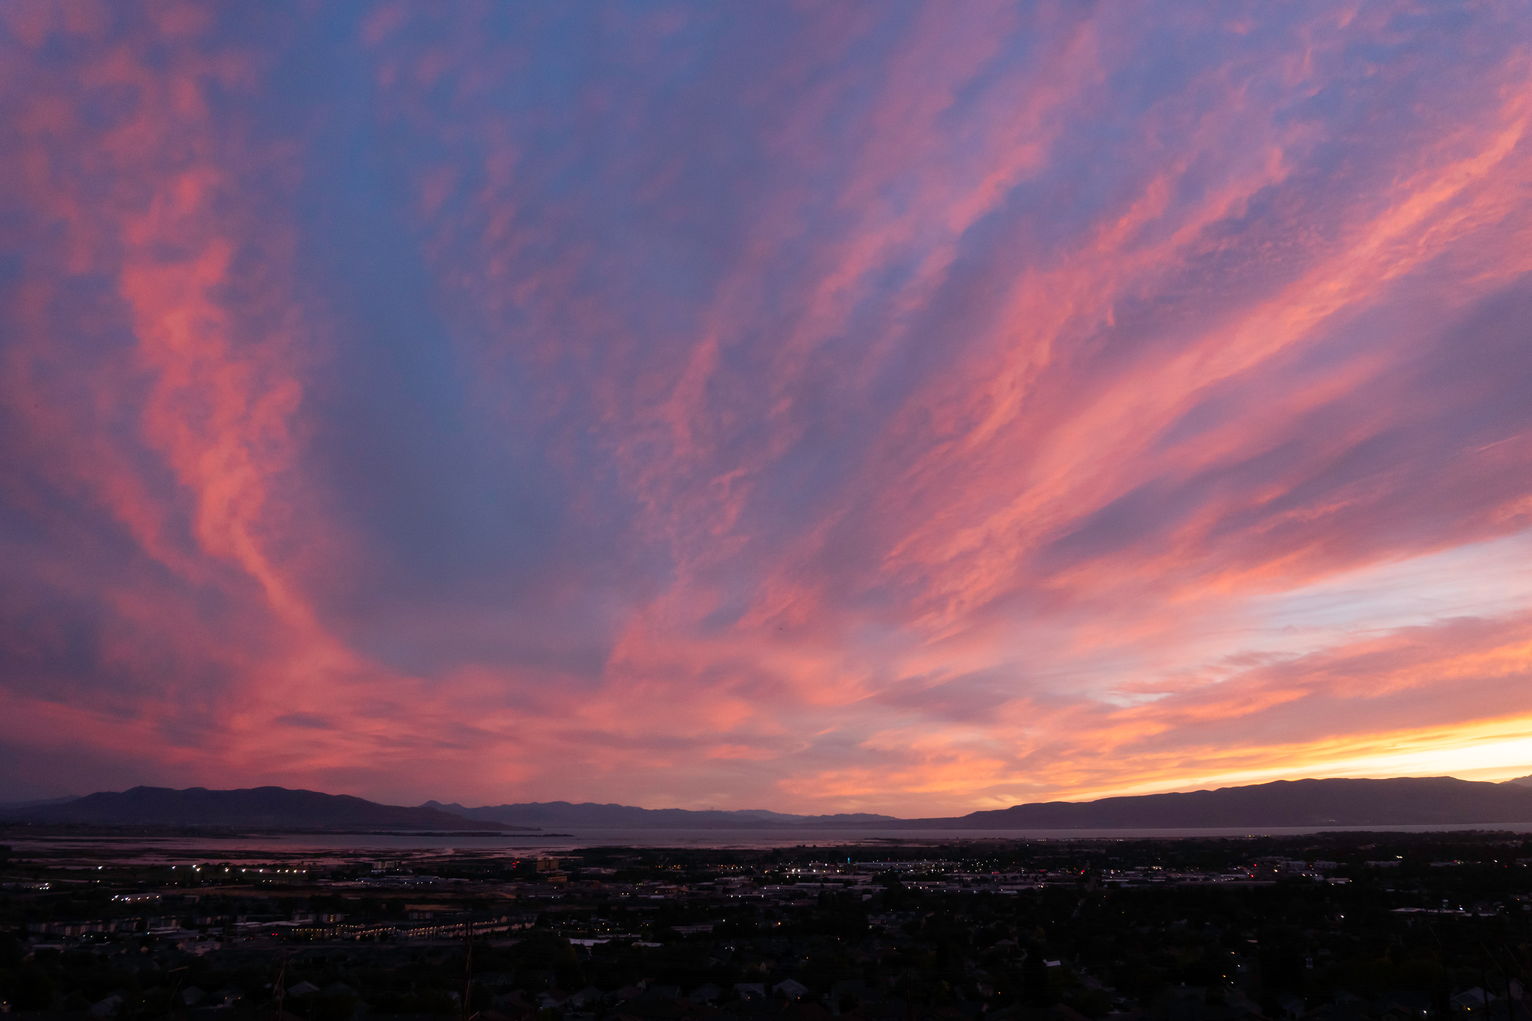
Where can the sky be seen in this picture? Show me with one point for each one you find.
(844, 406)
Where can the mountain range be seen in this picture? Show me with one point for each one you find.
(564, 813)
(265, 808)
(1399, 801)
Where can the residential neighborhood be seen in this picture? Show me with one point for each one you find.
(1327, 926)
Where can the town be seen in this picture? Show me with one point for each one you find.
(1325, 926)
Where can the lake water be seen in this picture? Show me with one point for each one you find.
(267, 846)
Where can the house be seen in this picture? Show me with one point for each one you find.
(790, 989)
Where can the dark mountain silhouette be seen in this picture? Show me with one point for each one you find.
(1401, 801)
(564, 813)
(266, 808)
(9, 808)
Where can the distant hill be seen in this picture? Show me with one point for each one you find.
(267, 808)
(564, 813)
(1401, 801)
(8, 808)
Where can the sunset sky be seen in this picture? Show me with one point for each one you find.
(844, 406)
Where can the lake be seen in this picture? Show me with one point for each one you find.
(267, 846)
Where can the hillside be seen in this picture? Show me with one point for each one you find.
(267, 808)
(567, 814)
(1400, 801)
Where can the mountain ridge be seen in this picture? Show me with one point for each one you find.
(1314, 802)
(268, 808)
(1330, 801)
(590, 813)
